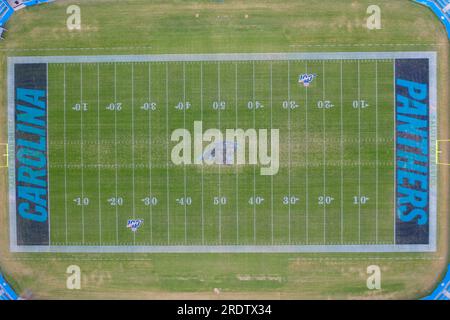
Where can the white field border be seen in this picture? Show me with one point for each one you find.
(430, 55)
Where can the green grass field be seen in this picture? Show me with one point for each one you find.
(106, 164)
(164, 27)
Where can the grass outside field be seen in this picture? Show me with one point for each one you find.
(110, 27)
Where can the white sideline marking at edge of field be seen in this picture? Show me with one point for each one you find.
(320, 248)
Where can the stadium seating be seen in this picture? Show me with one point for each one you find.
(442, 291)
(7, 8)
(440, 9)
(5, 12)
(6, 292)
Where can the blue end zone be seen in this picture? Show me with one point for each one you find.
(438, 6)
(412, 101)
(31, 174)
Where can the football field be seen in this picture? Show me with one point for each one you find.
(113, 180)
(123, 141)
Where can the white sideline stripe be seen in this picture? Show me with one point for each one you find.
(224, 57)
(226, 249)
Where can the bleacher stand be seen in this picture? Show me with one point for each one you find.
(442, 292)
(8, 7)
(441, 8)
(6, 292)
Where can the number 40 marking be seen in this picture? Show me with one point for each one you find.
(360, 200)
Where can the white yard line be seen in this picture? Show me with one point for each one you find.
(115, 152)
(271, 177)
(307, 163)
(184, 165)
(237, 172)
(376, 151)
(324, 154)
(167, 153)
(132, 148)
(342, 158)
(359, 153)
(81, 151)
(150, 151)
(289, 150)
(202, 170)
(98, 156)
(254, 167)
(220, 165)
(65, 157)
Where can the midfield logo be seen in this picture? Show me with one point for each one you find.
(134, 224)
(234, 146)
(306, 79)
